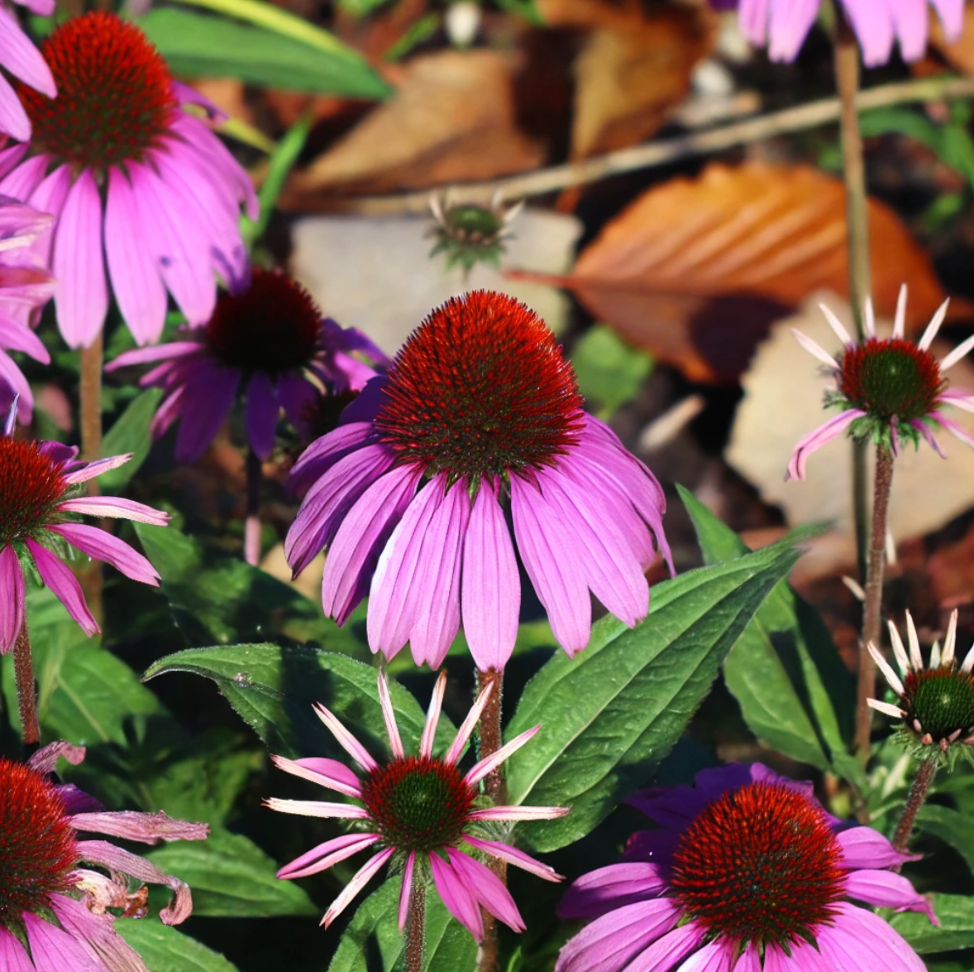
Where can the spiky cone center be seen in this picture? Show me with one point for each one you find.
(115, 98)
(38, 849)
(418, 803)
(481, 388)
(472, 224)
(941, 700)
(759, 865)
(31, 485)
(272, 326)
(890, 378)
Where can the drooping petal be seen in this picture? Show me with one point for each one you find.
(487, 888)
(672, 948)
(861, 941)
(103, 546)
(64, 585)
(354, 886)
(457, 897)
(865, 847)
(54, 950)
(13, 957)
(514, 856)
(405, 893)
(886, 889)
(873, 25)
(12, 594)
(326, 855)
(818, 438)
(716, 956)
(81, 293)
(22, 59)
(96, 934)
(263, 409)
(490, 597)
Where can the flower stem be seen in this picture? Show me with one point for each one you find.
(489, 740)
(872, 613)
(26, 689)
(92, 359)
(416, 925)
(918, 793)
(252, 521)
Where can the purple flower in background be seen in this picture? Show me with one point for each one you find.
(419, 812)
(745, 871)
(479, 404)
(783, 25)
(39, 504)
(49, 899)
(890, 389)
(19, 56)
(24, 286)
(267, 338)
(129, 173)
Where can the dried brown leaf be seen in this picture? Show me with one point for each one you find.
(453, 119)
(696, 269)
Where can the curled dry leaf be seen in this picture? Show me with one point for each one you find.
(453, 119)
(783, 401)
(697, 269)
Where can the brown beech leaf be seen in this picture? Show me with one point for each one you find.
(696, 269)
(631, 72)
(452, 119)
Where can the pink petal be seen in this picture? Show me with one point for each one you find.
(514, 856)
(325, 772)
(326, 855)
(64, 585)
(54, 950)
(490, 763)
(487, 888)
(103, 546)
(818, 438)
(263, 409)
(607, 888)
(354, 886)
(124, 509)
(405, 893)
(22, 59)
(886, 890)
(457, 896)
(13, 957)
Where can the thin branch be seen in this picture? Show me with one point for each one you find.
(664, 151)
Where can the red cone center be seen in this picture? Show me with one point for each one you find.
(481, 388)
(115, 98)
(760, 864)
(418, 803)
(271, 326)
(37, 845)
(30, 485)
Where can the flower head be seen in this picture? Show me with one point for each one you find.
(745, 872)
(19, 56)
(25, 285)
(935, 703)
(129, 172)
(783, 26)
(889, 389)
(469, 234)
(50, 900)
(479, 405)
(40, 504)
(420, 812)
(266, 338)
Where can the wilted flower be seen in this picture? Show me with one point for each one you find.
(479, 404)
(266, 338)
(746, 872)
(936, 703)
(889, 389)
(19, 56)
(39, 506)
(49, 901)
(132, 176)
(467, 233)
(419, 812)
(783, 26)
(24, 286)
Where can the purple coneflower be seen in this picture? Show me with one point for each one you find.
(24, 286)
(783, 25)
(745, 872)
(39, 506)
(54, 910)
(129, 174)
(266, 338)
(889, 389)
(420, 812)
(936, 702)
(19, 56)
(479, 405)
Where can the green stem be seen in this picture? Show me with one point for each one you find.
(252, 518)
(918, 793)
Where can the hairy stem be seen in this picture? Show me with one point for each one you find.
(416, 925)
(872, 611)
(26, 689)
(252, 521)
(92, 360)
(918, 793)
(489, 740)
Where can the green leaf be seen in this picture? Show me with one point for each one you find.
(130, 434)
(372, 941)
(951, 827)
(231, 877)
(956, 930)
(219, 598)
(272, 689)
(609, 370)
(197, 44)
(794, 691)
(165, 949)
(611, 714)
